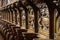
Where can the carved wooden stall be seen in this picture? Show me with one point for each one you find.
(30, 19)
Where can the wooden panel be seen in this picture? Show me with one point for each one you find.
(13, 17)
(18, 18)
(43, 20)
(31, 26)
(23, 19)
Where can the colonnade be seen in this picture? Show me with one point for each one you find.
(33, 18)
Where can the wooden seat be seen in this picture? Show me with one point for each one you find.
(5, 32)
(9, 35)
(30, 36)
(20, 35)
(6, 28)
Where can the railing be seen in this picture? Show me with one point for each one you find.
(36, 17)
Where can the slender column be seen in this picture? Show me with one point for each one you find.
(20, 19)
(9, 15)
(51, 31)
(35, 16)
(51, 7)
(15, 16)
(26, 14)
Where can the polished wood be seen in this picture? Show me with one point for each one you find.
(30, 36)
(50, 6)
(12, 16)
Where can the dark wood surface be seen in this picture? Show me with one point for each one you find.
(1, 37)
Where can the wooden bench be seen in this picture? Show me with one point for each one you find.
(30, 36)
